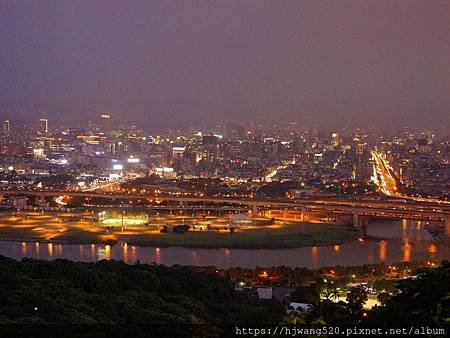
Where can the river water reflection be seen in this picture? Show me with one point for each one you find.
(388, 242)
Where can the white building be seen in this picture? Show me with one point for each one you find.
(265, 292)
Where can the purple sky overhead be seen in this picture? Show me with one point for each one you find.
(186, 62)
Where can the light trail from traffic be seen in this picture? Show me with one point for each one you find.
(271, 174)
(384, 178)
(111, 185)
(60, 201)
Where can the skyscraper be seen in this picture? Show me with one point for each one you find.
(336, 139)
(6, 126)
(43, 126)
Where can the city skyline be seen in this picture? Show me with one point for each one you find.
(198, 168)
(178, 64)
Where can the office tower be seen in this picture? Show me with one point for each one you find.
(336, 139)
(6, 126)
(43, 126)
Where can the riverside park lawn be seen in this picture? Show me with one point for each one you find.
(262, 234)
(267, 237)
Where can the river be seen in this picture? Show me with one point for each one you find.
(393, 241)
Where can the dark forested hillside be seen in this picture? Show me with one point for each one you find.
(62, 298)
(114, 297)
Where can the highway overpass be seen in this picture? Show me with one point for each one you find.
(359, 209)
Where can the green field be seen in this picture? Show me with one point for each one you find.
(291, 236)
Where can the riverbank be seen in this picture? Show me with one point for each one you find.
(386, 242)
(437, 230)
(292, 236)
(208, 232)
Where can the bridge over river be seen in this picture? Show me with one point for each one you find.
(360, 210)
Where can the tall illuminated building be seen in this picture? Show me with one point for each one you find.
(104, 122)
(6, 126)
(336, 139)
(43, 126)
(360, 149)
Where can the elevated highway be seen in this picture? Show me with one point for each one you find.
(359, 209)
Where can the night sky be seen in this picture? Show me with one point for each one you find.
(189, 62)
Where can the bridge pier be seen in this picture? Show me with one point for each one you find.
(305, 214)
(254, 207)
(447, 225)
(40, 201)
(361, 222)
(355, 220)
